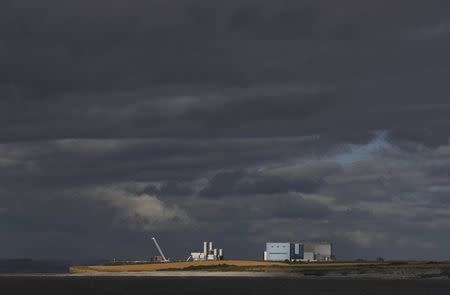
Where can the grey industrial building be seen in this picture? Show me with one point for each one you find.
(298, 251)
(209, 253)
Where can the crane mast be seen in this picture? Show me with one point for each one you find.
(159, 250)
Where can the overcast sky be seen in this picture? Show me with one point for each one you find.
(238, 121)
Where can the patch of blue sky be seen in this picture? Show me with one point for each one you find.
(360, 152)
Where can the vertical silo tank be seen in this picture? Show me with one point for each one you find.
(216, 253)
(205, 248)
(210, 248)
(221, 253)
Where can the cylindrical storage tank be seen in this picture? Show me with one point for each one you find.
(210, 246)
(215, 253)
(205, 248)
(265, 256)
(220, 253)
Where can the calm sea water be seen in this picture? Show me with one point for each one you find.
(229, 286)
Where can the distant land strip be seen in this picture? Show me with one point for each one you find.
(383, 270)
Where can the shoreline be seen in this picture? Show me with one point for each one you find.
(167, 274)
(396, 270)
(229, 274)
(250, 268)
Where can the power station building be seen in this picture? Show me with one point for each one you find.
(209, 253)
(283, 251)
(298, 251)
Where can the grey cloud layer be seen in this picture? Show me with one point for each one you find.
(116, 69)
(232, 120)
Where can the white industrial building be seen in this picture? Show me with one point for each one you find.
(299, 251)
(282, 251)
(209, 253)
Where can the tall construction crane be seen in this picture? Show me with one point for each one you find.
(159, 250)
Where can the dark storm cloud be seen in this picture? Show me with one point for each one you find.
(243, 117)
(169, 188)
(75, 162)
(241, 183)
(222, 183)
(98, 70)
(285, 206)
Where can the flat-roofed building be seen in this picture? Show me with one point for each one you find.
(278, 251)
(323, 251)
(283, 251)
(298, 251)
(308, 252)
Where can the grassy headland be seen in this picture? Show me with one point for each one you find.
(394, 269)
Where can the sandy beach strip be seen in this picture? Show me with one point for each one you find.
(230, 274)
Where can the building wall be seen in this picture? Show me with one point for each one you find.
(278, 251)
(196, 256)
(298, 251)
(323, 251)
(308, 256)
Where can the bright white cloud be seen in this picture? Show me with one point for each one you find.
(140, 212)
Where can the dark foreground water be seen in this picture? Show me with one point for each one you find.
(229, 286)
